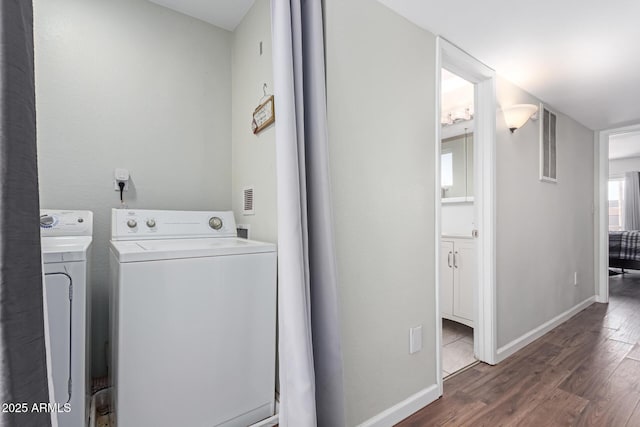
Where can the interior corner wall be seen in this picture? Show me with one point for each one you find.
(129, 84)
(544, 231)
(381, 107)
(253, 156)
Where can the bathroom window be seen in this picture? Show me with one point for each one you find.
(446, 177)
(616, 204)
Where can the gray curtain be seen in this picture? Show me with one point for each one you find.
(311, 367)
(23, 372)
(632, 201)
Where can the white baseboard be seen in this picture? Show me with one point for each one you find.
(273, 420)
(526, 339)
(402, 410)
(269, 422)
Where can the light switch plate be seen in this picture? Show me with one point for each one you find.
(415, 339)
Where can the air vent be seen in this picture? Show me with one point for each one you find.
(548, 148)
(247, 201)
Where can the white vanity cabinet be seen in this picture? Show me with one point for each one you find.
(457, 278)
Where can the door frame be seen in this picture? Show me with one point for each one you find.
(461, 63)
(601, 219)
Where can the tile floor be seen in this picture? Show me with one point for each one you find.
(105, 421)
(457, 347)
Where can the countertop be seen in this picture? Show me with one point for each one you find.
(456, 236)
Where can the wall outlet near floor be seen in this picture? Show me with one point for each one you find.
(244, 230)
(575, 278)
(415, 339)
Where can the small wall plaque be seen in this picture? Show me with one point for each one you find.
(264, 115)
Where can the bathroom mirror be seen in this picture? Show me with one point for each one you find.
(456, 165)
(456, 162)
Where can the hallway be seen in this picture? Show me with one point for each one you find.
(586, 372)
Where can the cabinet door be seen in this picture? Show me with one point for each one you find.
(464, 278)
(446, 278)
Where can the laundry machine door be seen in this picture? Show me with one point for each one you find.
(58, 285)
(65, 292)
(196, 341)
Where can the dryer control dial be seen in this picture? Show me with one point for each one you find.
(132, 223)
(46, 221)
(215, 223)
(151, 223)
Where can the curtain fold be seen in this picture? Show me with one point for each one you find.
(632, 201)
(23, 372)
(311, 367)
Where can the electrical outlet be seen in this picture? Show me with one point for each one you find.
(415, 339)
(575, 278)
(243, 230)
(121, 175)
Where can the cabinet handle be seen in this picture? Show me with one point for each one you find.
(455, 259)
(449, 259)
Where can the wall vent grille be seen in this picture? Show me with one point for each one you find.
(548, 147)
(247, 201)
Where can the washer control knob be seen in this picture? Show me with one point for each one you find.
(151, 223)
(132, 223)
(215, 223)
(46, 221)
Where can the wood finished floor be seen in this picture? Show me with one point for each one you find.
(585, 372)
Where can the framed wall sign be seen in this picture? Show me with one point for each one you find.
(264, 115)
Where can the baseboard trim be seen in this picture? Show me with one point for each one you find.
(531, 336)
(402, 410)
(269, 422)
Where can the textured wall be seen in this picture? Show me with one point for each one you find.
(254, 156)
(129, 84)
(544, 231)
(381, 99)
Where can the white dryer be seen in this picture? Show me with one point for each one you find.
(66, 241)
(193, 321)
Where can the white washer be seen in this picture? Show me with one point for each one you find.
(193, 321)
(66, 241)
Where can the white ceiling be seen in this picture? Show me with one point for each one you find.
(580, 57)
(225, 14)
(624, 145)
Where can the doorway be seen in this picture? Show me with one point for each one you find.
(457, 247)
(617, 153)
(482, 304)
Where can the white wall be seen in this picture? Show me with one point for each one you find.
(544, 231)
(458, 99)
(254, 157)
(618, 167)
(457, 218)
(380, 78)
(127, 83)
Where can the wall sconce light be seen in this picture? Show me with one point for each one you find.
(517, 115)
